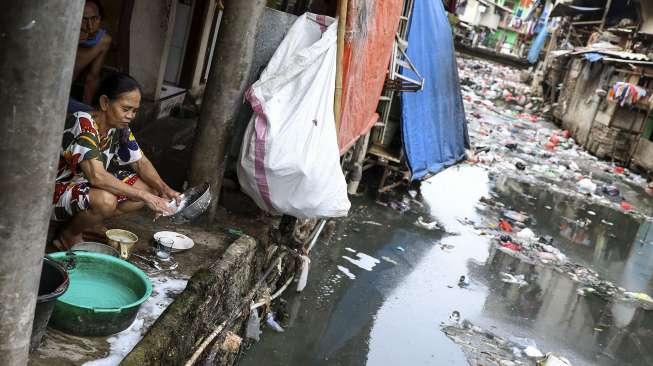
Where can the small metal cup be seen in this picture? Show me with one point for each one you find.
(164, 248)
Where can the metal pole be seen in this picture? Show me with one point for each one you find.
(605, 14)
(356, 169)
(224, 92)
(38, 40)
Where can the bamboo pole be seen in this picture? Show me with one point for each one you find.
(342, 24)
(605, 13)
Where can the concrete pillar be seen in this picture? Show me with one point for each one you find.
(38, 42)
(226, 84)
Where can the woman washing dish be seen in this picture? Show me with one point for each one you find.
(94, 180)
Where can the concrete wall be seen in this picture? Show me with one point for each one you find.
(582, 104)
(490, 18)
(643, 156)
(604, 128)
(472, 15)
(611, 143)
(570, 78)
(151, 31)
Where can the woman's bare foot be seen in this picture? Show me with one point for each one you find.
(96, 233)
(66, 241)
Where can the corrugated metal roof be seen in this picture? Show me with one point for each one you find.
(614, 53)
(561, 10)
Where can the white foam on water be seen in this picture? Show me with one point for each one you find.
(347, 272)
(350, 250)
(163, 290)
(364, 261)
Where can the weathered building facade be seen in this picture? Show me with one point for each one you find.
(598, 74)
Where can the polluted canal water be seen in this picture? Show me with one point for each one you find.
(551, 267)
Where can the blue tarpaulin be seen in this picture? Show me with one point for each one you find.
(536, 47)
(433, 120)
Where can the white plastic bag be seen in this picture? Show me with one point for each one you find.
(289, 161)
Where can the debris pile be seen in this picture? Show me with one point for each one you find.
(484, 347)
(512, 138)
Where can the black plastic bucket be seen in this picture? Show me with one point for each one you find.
(53, 283)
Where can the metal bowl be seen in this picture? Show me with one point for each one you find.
(195, 201)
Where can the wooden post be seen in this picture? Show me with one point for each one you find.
(605, 13)
(342, 25)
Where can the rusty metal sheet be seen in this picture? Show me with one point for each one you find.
(370, 32)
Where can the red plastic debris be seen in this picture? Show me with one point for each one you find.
(566, 134)
(512, 246)
(619, 170)
(505, 226)
(529, 117)
(554, 139)
(549, 145)
(626, 206)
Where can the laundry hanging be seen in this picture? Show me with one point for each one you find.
(626, 93)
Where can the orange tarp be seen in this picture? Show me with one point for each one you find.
(370, 32)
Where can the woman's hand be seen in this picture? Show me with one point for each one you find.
(170, 194)
(158, 204)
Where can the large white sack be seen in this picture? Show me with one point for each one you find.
(289, 160)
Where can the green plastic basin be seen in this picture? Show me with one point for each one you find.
(103, 296)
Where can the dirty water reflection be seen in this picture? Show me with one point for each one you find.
(391, 314)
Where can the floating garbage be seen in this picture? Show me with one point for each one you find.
(485, 347)
(640, 296)
(586, 186)
(583, 291)
(505, 226)
(554, 360)
(626, 206)
(515, 216)
(533, 352)
(526, 234)
(426, 225)
(372, 223)
(303, 276)
(401, 206)
(513, 279)
(611, 191)
(253, 329)
(455, 317)
(272, 323)
(463, 282)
